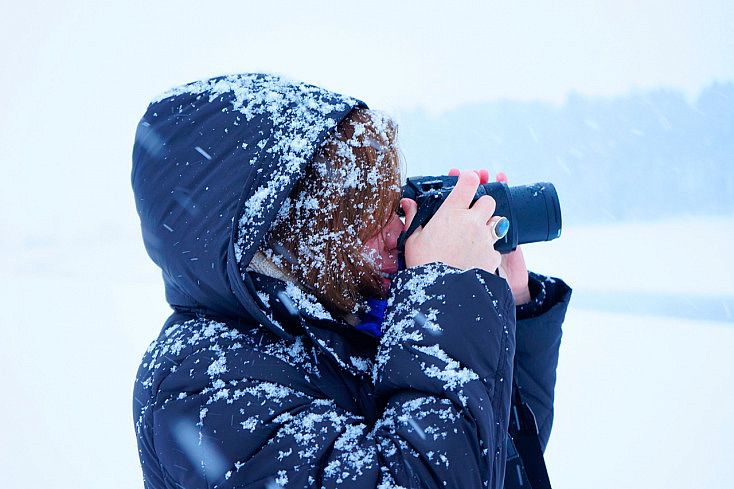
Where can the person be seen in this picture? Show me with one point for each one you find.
(299, 352)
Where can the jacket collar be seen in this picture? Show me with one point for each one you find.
(296, 312)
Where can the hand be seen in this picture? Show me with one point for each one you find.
(512, 267)
(456, 235)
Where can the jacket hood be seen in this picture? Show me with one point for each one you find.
(213, 162)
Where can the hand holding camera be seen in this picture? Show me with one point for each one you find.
(459, 234)
(524, 214)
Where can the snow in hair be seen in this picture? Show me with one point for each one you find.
(347, 196)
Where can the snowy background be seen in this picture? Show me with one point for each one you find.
(628, 109)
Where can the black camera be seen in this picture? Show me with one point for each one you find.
(533, 210)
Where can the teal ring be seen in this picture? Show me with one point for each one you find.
(500, 227)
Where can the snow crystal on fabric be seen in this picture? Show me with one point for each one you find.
(355, 456)
(202, 335)
(282, 479)
(307, 303)
(387, 481)
(308, 428)
(405, 314)
(453, 375)
(360, 363)
(296, 115)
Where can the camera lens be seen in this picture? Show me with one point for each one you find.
(537, 212)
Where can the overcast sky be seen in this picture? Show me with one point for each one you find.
(77, 76)
(394, 54)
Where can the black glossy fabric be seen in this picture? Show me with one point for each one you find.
(251, 382)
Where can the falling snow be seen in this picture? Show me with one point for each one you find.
(297, 401)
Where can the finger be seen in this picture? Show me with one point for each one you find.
(454, 172)
(410, 208)
(484, 206)
(466, 188)
(501, 177)
(514, 260)
(483, 176)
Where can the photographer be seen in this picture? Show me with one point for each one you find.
(298, 354)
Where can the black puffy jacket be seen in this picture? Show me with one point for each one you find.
(240, 390)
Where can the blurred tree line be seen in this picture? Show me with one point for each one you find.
(646, 155)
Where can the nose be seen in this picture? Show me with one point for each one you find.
(392, 232)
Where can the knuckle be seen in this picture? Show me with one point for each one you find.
(488, 201)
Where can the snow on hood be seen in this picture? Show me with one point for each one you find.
(213, 162)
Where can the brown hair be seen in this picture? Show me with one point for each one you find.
(347, 196)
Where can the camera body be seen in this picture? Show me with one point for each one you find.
(533, 210)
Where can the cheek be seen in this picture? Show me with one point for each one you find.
(390, 240)
(371, 246)
(374, 247)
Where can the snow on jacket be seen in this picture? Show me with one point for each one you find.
(241, 389)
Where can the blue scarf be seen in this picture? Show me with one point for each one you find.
(372, 319)
(374, 316)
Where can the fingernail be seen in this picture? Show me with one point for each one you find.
(501, 227)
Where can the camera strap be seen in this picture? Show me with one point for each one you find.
(523, 432)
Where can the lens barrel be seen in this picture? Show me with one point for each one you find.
(538, 212)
